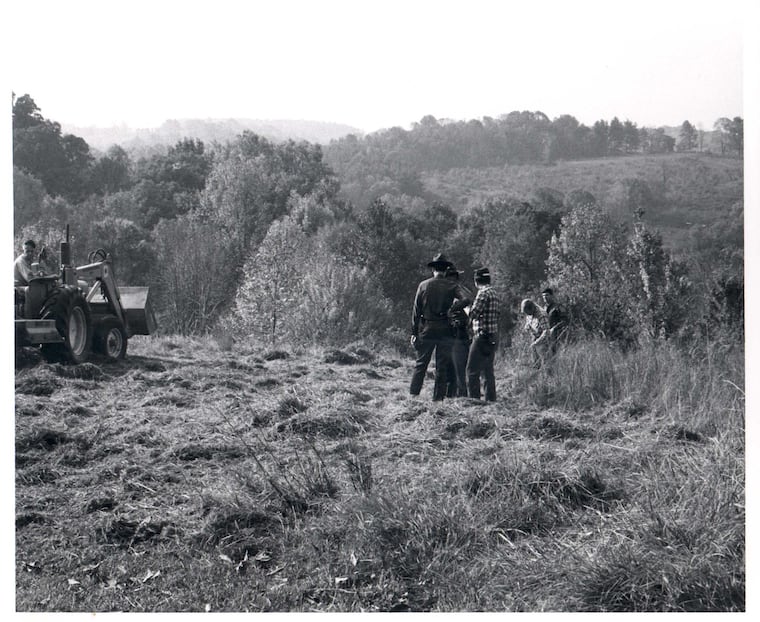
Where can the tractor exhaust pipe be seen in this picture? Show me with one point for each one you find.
(66, 260)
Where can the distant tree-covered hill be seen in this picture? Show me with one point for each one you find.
(674, 192)
(392, 161)
(209, 130)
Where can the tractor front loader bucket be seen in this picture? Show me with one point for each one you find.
(138, 311)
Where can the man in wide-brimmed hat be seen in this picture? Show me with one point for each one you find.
(430, 325)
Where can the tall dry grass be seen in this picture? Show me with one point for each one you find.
(308, 480)
(679, 543)
(701, 385)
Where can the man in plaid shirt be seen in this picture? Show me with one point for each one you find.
(484, 319)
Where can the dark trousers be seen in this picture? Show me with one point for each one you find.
(457, 385)
(441, 343)
(480, 362)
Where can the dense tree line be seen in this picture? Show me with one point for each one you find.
(391, 160)
(257, 238)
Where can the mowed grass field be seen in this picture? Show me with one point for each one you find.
(193, 477)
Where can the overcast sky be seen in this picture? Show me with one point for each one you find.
(376, 64)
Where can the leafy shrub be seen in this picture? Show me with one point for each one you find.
(617, 284)
(195, 276)
(295, 289)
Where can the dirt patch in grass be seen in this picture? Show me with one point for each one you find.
(627, 408)
(235, 385)
(177, 399)
(193, 452)
(126, 530)
(684, 435)
(32, 410)
(79, 411)
(37, 385)
(341, 358)
(587, 489)
(100, 504)
(408, 411)
(468, 429)
(266, 383)
(30, 518)
(238, 366)
(225, 523)
(228, 452)
(479, 429)
(83, 371)
(243, 538)
(328, 426)
(44, 438)
(147, 364)
(556, 429)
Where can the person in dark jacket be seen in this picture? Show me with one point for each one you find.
(430, 326)
(458, 320)
(555, 317)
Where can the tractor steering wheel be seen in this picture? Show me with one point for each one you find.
(97, 255)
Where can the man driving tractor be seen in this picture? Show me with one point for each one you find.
(22, 267)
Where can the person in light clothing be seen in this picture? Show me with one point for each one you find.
(22, 267)
(538, 328)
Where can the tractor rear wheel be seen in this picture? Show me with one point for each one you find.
(68, 307)
(110, 338)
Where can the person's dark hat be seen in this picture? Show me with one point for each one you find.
(440, 262)
(31, 243)
(549, 291)
(482, 274)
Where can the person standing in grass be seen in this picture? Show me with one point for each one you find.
(458, 320)
(555, 318)
(430, 326)
(484, 320)
(538, 327)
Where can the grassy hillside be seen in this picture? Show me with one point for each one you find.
(196, 477)
(685, 190)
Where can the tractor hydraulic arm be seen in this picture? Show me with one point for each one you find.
(102, 272)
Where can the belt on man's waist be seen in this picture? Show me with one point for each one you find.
(440, 320)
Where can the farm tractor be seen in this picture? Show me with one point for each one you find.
(80, 310)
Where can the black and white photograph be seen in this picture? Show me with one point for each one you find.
(349, 307)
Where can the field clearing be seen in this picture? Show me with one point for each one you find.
(687, 190)
(699, 180)
(192, 477)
